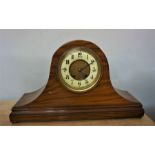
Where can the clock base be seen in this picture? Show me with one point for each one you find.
(70, 114)
(37, 114)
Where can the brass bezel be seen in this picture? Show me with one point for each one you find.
(99, 74)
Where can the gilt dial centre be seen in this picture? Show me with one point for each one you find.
(79, 69)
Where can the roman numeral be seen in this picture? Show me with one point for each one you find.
(92, 77)
(79, 83)
(92, 61)
(72, 56)
(80, 55)
(94, 69)
(64, 69)
(67, 62)
(86, 81)
(67, 76)
(72, 82)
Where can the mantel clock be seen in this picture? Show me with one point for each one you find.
(78, 88)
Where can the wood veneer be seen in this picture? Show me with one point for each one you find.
(53, 102)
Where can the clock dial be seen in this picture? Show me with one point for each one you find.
(79, 69)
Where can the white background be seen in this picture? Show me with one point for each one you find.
(25, 57)
(74, 15)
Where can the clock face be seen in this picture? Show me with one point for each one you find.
(79, 69)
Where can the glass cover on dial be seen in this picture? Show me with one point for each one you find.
(79, 69)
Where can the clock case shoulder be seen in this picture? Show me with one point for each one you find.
(53, 102)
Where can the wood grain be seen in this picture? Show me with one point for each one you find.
(54, 102)
(5, 109)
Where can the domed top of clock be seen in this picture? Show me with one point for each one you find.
(79, 66)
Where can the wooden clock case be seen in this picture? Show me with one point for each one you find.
(53, 102)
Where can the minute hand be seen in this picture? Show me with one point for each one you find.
(86, 66)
